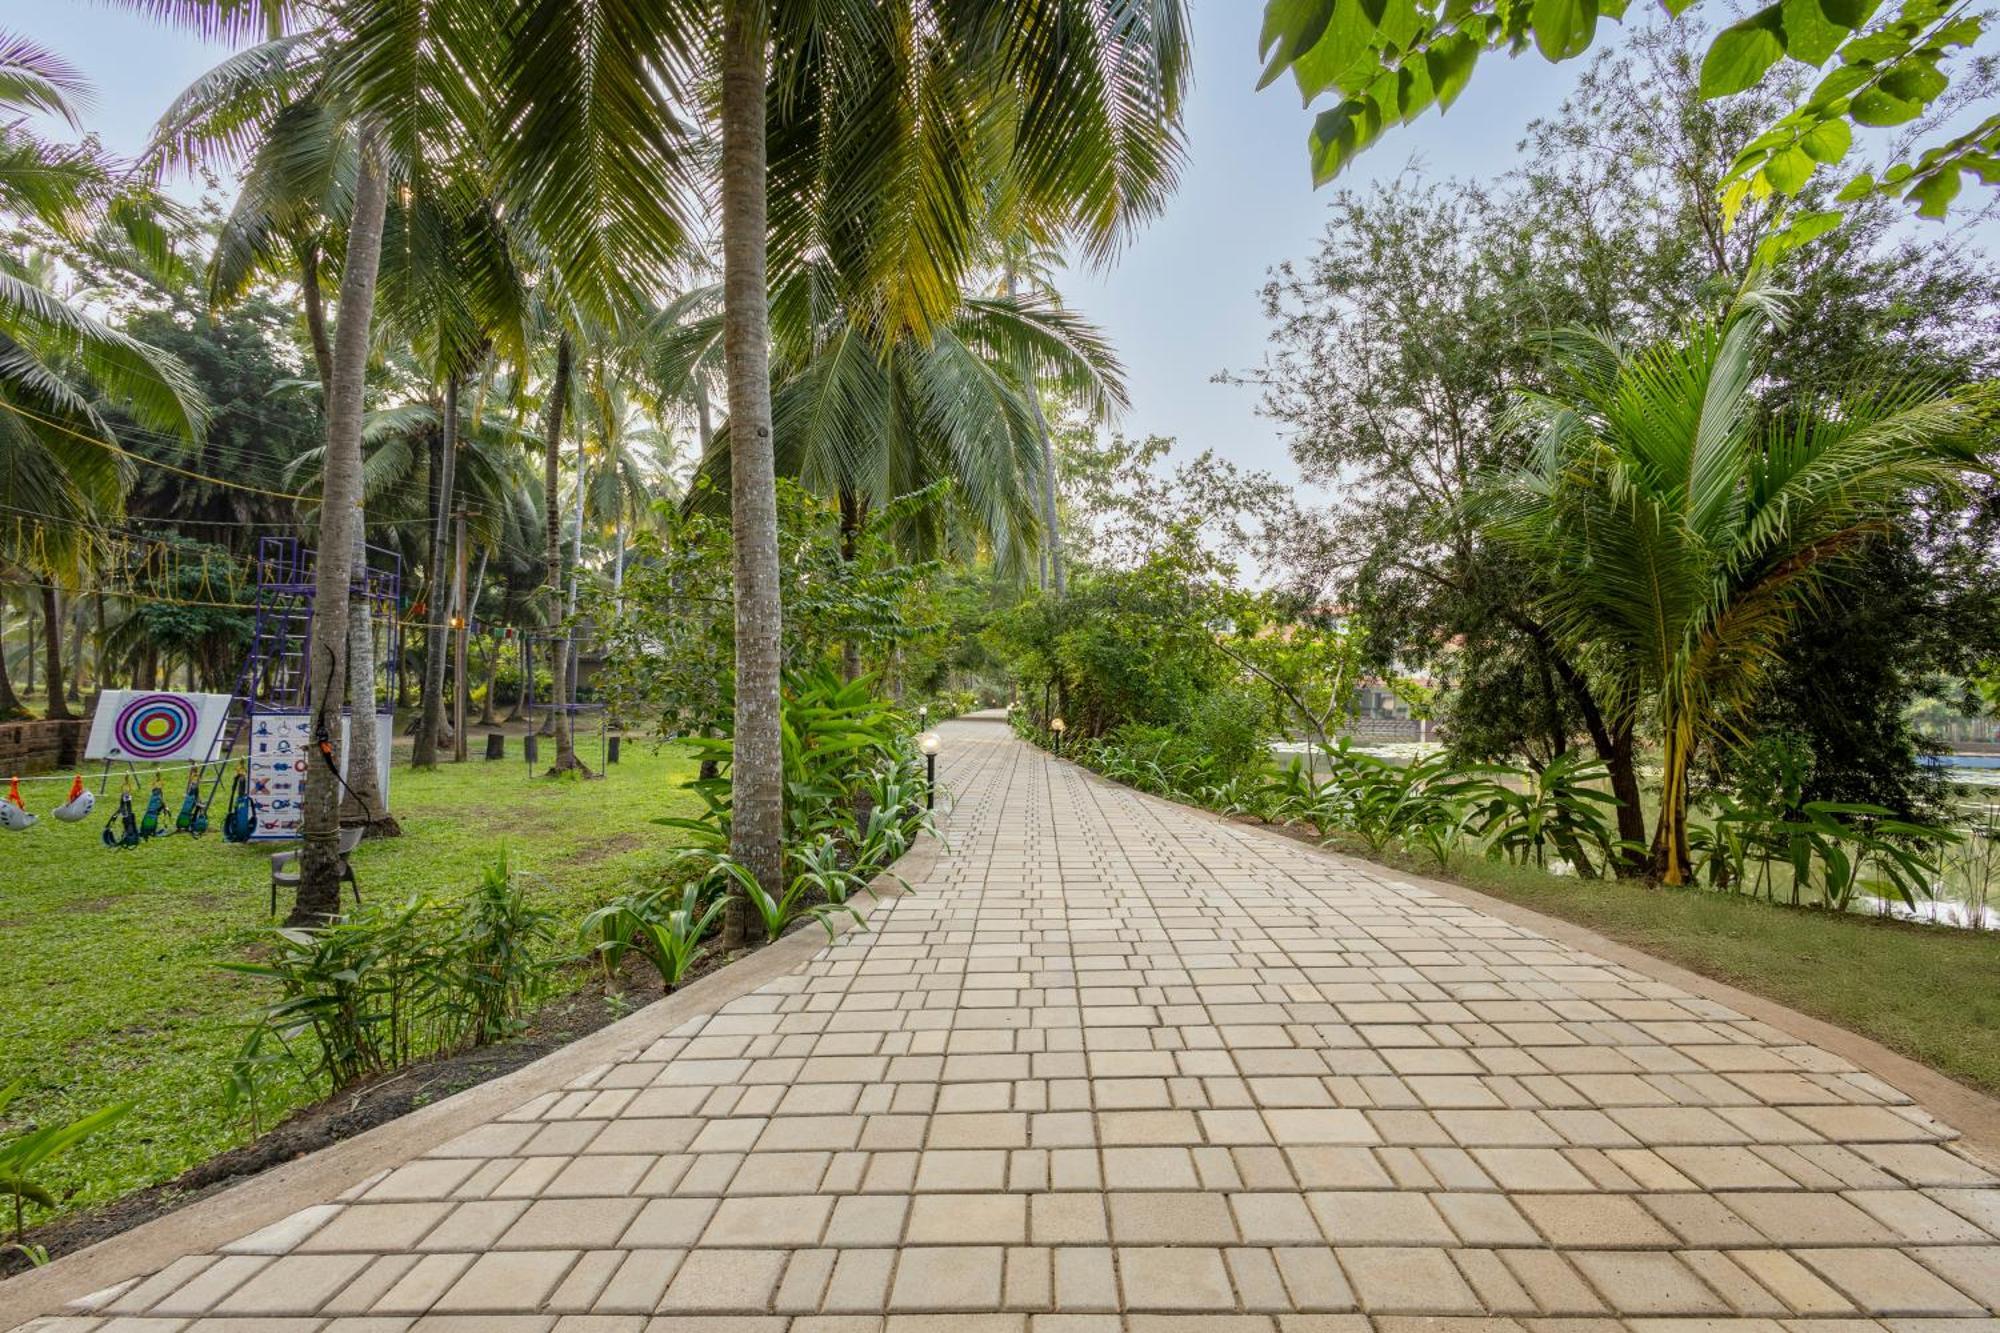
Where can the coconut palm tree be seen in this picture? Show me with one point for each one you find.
(864, 420)
(624, 459)
(886, 124)
(1680, 530)
(58, 366)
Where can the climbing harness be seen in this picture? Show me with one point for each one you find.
(151, 823)
(192, 818)
(239, 818)
(127, 824)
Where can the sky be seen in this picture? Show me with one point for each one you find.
(1182, 301)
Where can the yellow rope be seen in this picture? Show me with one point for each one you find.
(102, 443)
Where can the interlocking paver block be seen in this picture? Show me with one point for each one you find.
(1118, 1067)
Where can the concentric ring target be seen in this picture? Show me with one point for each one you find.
(154, 726)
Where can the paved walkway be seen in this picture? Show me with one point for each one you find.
(1119, 1067)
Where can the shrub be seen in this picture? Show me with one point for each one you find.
(499, 956)
(1231, 727)
(666, 927)
(387, 985)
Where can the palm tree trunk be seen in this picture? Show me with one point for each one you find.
(364, 802)
(10, 702)
(340, 493)
(618, 563)
(1670, 843)
(315, 304)
(704, 419)
(486, 718)
(551, 468)
(77, 635)
(527, 664)
(101, 661)
(424, 754)
(850, 533)
(52, 651)
(756, 762)
(575, 588)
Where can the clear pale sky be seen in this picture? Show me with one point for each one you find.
(1181, 303)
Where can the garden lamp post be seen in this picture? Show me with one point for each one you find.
(1058, 726)
(928, 743)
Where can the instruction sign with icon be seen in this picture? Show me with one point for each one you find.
(280, 753)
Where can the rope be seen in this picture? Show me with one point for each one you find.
(287, 528)
(122, 452)
(139, 775)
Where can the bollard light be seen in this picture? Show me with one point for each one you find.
(1058, 726)
(928, 743)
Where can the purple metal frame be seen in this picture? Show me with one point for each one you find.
(276, 675)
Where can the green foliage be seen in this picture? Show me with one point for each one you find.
(1387, 64)
(854, 802)
(776, 911)
(23, 1157)
(389, 985)
(500, 955)
(1560, 805)
(1767, 838)
(362, 989)
(665, 926)
(1677, 531)
(1435, 804)
(669, 637)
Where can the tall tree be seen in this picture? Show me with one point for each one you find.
(757, 752)
(61, 369)
(555, 413)
(318, 898)
(437, 608)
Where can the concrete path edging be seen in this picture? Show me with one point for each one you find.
(273, 1195)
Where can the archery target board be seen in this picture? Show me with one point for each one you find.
(156, 726)
(280, 753)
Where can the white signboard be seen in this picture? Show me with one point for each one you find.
(156, 726)
(279, 753)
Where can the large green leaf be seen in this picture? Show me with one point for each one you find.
(1343, 57)
(1743, 52)
(1291, 27)
(1809, 36)
(1874, 106)
(1827, 141)
(1451, 60)
(1564, 28)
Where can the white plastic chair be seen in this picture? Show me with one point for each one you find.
(282, 862)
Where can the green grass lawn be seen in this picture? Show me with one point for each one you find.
(109, 984)
(1929, 992)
